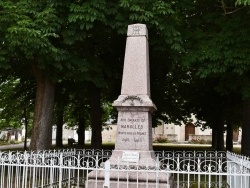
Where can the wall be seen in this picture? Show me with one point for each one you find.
(109, 135)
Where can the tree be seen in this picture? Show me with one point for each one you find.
(79, 109)
(17, 101)
(61, 101)
(100, 48)
(28, 30)
(217, 47)
(83, 42)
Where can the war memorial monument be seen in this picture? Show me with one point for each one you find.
(133, 147)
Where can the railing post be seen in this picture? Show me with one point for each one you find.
(199, 172)
(178, 170)
(51, 172)
(188, 170)
(209, 175)
(107, 175)
(60, 170)
(168, 177)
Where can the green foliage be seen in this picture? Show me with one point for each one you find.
(222, 45)
(220, 59)
(155, 14)
(3, 142)
(7, 115)
(217, 55)
(14, 142)
(242, 2)
(14, 100)
(199, 52)
(108, 111)
(29, 30)
(87, 12)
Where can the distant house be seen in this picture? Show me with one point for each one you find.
(109, 135)
(9, 134)
(182, 133)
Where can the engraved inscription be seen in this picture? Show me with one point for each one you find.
(125, 139)
(136, 30)
(130, 156)
(132, 98)
(138, 139)
(132, 127)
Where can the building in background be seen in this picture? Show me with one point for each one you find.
(174, 133)
(71, 132)
(10, 134)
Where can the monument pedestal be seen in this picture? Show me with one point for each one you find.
(141, 174)
(131, 181)
(133, 163)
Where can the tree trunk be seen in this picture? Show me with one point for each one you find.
(81, 131)
(245, 143)
(229, 138)
(41, 137)
(59, 125)
(214, 137)
(220, 135)
(96, 117)
(26, 127)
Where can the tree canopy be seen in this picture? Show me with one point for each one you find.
(72, 51)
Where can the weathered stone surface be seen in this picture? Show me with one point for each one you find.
(136, 77)
(133, 131)
(136, 30)
(136, 101)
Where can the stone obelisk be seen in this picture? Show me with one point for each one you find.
(133, 145)
(134, 126)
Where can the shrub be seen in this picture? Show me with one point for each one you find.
(161, 139)
(193, 141)
(14, 142)
(3, 142)
(200, 141)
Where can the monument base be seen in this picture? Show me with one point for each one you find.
(140, 174)
(131, 179)
(114, 184)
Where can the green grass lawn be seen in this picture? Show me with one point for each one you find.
(156, 147)
(166, 147)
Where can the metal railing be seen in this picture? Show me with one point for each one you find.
(238, 168)
(71, 168)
